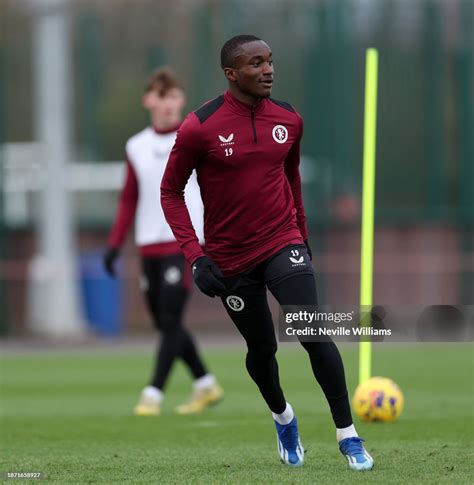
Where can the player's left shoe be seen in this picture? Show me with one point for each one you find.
(201, 399)
(357, 456)
(290, 449)
(147, 405)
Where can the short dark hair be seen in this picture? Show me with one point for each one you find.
(162, 80)
(231, 48)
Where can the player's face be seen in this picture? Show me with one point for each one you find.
(253, 70)
(167, 107)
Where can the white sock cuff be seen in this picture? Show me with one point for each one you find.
(286, 416)
(343, 433)
(153, 392)
(207, 380)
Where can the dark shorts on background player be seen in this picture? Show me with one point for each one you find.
(165, 284)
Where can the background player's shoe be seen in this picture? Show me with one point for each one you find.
(290, 448)
(148, 405)
(356, 454)
(201, 399)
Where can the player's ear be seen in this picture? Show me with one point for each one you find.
(183, 100)
(229, 73)
(146, 100)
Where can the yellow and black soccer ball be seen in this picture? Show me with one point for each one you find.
(378, 399)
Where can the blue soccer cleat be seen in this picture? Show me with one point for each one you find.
(356, 454)
(290, 448)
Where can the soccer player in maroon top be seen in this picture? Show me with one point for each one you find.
(245, 148)
(165, 281)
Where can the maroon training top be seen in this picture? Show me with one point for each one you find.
(247, 164)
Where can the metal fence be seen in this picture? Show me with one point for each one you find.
(425, 147)
(425, 153)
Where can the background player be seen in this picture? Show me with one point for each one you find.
(245, 147)
(166, 277)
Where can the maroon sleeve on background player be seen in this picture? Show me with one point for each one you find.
(126, 208)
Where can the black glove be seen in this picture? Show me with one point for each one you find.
(310, 254)
(205, 274)
(110, 257)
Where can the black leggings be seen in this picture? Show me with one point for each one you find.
(166, 293)
(254, 321)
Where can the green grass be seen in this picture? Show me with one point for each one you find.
(69, 416)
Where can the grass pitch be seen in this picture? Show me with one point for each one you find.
(69, 417)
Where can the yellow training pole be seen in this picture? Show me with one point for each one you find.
(368, 196)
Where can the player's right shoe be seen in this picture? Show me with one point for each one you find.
(147, 405)
(289, 444)
(357, 456)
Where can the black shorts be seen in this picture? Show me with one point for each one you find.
(165, 285)
(287, 262)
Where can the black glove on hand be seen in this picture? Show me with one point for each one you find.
(110, 257)
(205, 274)
(310, 254)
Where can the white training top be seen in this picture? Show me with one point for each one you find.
(148, 153)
